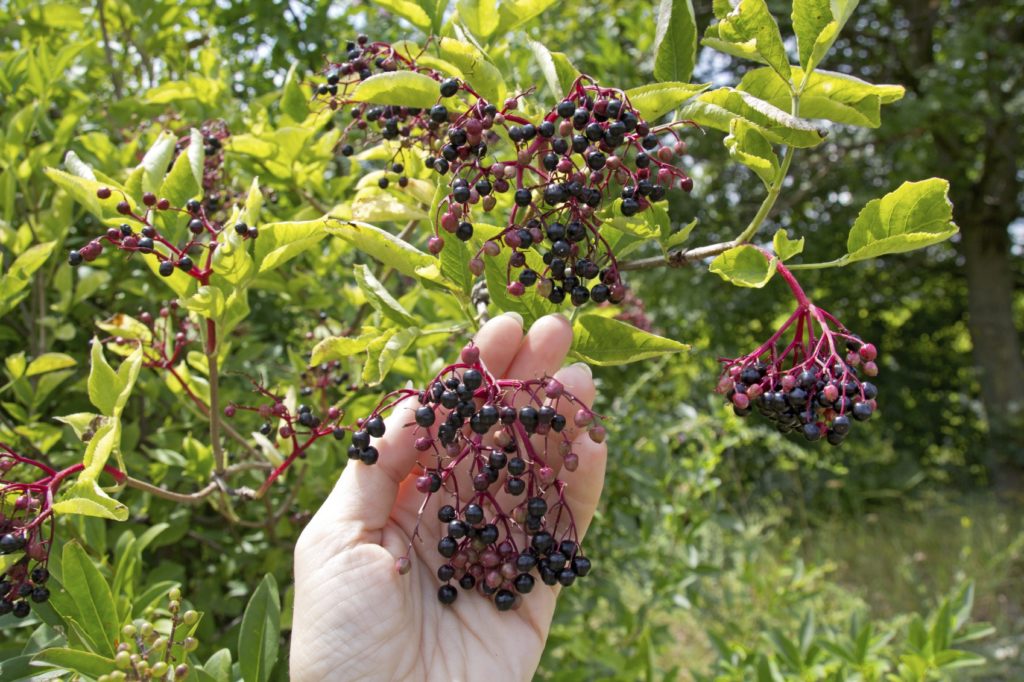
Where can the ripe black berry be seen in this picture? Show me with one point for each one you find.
(74, 258)
(369, 455)
(473, 514)
(425, 416)
(438, 113)
(449, 87)
(522, 197)
(447, 594)
(504, 600)
(185, 263)
(374, 426)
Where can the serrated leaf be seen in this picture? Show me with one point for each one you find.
(744, 266)
(601, 340)
(398, 88)
(915, 215)
(750, 31)
(654, 100)
(784, 247)
(674, 239)
(833, 96)
(747, 145)
(718, 108)
(258, 636)
(379, 297)
(88, 499)
(675, 41)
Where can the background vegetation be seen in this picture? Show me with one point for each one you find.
(738, 553)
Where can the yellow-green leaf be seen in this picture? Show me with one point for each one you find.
(744, 266)
(602, 340)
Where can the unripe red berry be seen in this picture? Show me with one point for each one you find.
(470, 354)
(665, 154)
(868, 352)
(229, 411)
(870, 369)
(149, 198)
(163, 204)
(598, 434)
(516, 289)
(124, 208)
(435, 244)
(571, 462)
(476, 266)
(492, 248)
(686, 184)
(103, 192)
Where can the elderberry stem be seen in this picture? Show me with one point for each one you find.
(218, 450)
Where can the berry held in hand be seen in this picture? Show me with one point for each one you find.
(491, 449)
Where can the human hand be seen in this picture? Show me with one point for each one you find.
(355, 617)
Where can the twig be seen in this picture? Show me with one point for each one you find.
(115, 74)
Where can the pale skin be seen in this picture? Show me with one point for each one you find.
(356, 618)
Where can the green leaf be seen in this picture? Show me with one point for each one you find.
(91, 596)
(784, 247)
(82, 662)
(379, 297)
(750, 31)
(208, 301)
(744, 266)
(380, 245)
(50, 362)
(185, 179)
(154, 163)
(654, 100)
(14, 283)
(398, 88)
(817, 24)
(833, 96)
(294, 102)
(748, 146)
(674, 239)
(486, 77)
(602, 340)
(916, 215)
(413, 11)
(515, 13)
(675, 41)
(383, 351)
(86, 498)
(258, 636)
(280, 242)
(479, 16)
(340, 348)
(718, 108)
(109, 390)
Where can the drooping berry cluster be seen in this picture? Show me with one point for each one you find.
(156, 650)
(806, 385)
(294, 430)
(492, 449)
(27, 490)
(561, 171)
(204, 235)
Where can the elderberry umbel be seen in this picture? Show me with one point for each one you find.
(27, 491)
(807, 377)
(557, 177)
(151, 228)
(491, 449)
(291, 429)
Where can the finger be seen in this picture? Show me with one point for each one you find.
(583, 486)
(543, 350)
(366, 493)
(499, 341)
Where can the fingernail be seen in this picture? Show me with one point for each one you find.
(585, 367)
(514, 315)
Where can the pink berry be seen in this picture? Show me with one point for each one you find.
(868, 352)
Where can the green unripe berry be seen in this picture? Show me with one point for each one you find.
(117, 675)
(124, 646)
(190, 617)
(104, 678)
(128, 631)
(159, 669)
(190, 644)
(174, 594)
(123, 659)
(159, 644)
(174, 606)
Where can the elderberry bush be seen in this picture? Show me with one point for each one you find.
(555, 178)
(492, 449)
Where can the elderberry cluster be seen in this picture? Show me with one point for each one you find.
(561, 173)
(491, 448)
(24, 512)
(203, 237)
(806, 386)
(213, 133)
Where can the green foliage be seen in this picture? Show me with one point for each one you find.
(706, 516)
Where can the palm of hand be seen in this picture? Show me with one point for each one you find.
(357, 618)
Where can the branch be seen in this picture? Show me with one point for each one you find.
(677, 259)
